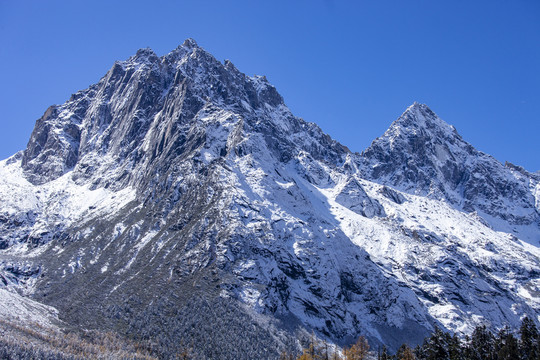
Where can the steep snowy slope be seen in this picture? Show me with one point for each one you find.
(19, 309)
(179, 198)
(423, 155)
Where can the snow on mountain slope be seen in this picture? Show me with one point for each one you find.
(176, 182)
(292, 258)
(446, 256)
(421, 154)
(33, 215)
(22, 310)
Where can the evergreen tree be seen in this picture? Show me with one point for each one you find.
(405, 353)
(528, 344)
(481, 345)
(383, 354)
(455, 348)
(506, 345)
(436, 347)
(420, 352)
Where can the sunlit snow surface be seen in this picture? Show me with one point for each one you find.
(460, 269)
(43, 209)
(22, 310)
(425, 236)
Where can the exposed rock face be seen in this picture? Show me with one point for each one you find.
(178, 188)
(353, 197)
(53, 147)
(421, 154)
(393, 195)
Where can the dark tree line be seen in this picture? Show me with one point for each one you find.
(23, 343)
(481, 345)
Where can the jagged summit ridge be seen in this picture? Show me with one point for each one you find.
(140, 98)
(417, 150)
(420, 116)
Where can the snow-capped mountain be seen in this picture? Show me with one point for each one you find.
(178, 197)
(423, 155)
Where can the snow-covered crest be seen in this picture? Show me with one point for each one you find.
(421, 154)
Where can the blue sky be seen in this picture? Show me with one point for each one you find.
(350, 66)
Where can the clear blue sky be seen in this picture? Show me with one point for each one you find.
(350, 66)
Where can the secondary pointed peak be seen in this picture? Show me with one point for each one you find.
(145, 51)
(414, 134)
(144, 54)
(190, 43)
(420, 116)
(186, 47)
(418, 109)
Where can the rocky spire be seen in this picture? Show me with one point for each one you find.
(422, 154)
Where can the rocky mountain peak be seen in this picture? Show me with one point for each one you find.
(417, 142)
(147, 111)
(190, 43)
(422, 154)
(144, 54)
(179, 191)
(420, 121)
(419, 108)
